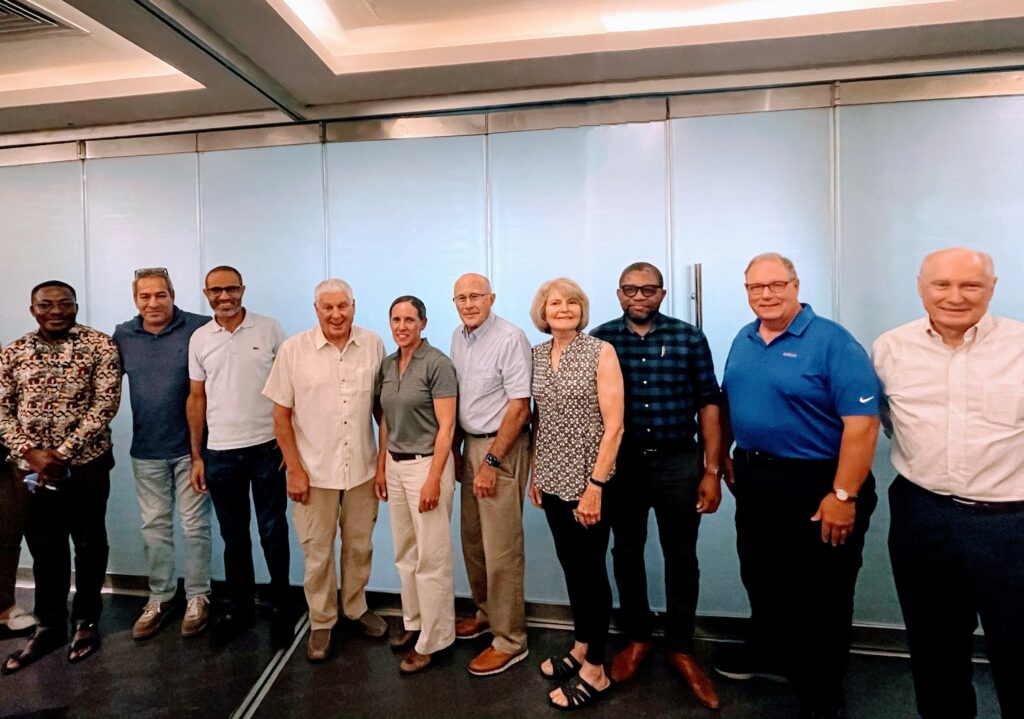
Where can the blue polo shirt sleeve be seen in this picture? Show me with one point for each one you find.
(853, 384)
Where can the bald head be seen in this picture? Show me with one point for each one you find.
(473, 299)
(956, 286)
(960, 256)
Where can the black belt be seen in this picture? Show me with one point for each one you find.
(754, 457)
(406, 456)
(492, 435)
(971, 505)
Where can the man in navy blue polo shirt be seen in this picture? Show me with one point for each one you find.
(671, 394)
(802, 401)
(154, 354)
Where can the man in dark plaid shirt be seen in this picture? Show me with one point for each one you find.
(671, 393)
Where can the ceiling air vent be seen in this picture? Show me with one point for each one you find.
(21, 20)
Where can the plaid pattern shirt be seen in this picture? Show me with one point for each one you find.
(668, 374)
(60, 396)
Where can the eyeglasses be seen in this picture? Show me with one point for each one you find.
(775, 288)
(645, 290)
(473, 297)
(63, 305)
(230, 289)
(150, 272)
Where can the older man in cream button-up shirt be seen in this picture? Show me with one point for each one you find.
(322, 389)
(954, 387)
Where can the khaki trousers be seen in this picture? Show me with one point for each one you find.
(423, 551)
(317, 522)
(492, 542)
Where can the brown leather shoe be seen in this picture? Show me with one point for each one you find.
(318, 648)
(413, 662)
(491, 661)
(403, 639)
(696, 678)
(471, 628)
(628, 660)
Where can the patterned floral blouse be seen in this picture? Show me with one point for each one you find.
(569, 423)
(60, 396)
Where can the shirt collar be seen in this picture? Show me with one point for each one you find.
(247, 322)
(796, 327)
(982, 329)
(480, 331)
(71, 335)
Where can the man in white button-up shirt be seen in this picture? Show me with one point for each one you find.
(954, 386)
(322, 388)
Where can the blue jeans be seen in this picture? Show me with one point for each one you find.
(229, 473)
(159, 485)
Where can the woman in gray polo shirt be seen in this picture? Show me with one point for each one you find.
(416, 388)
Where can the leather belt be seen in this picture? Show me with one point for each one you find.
(755, 458)
(407, 457)
(492, 435)
(988, 507)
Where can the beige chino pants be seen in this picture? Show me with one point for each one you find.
(423, 551)
(492, 542)
(317, 522)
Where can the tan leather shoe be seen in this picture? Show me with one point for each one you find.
(197, 616)
(628, 660)
(696, 678)
(413, 662)
(471, 628)
(154, 616)
(491, 661)
(318, 648)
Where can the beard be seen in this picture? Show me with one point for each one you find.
(640, 316)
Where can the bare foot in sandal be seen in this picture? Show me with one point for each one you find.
(84, 642)
(43, 641)
(567, 666)
(585, 688)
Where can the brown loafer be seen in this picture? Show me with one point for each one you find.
(471, 628)
(318, 648)
(628, 660)
(491, 661)
(403, 639)
(696, 678)
(413, 662)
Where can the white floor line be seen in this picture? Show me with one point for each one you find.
(262, 687)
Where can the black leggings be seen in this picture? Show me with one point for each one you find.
(582, 553)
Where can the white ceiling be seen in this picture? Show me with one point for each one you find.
(129, 61)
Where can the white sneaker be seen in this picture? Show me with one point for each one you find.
(197, 614)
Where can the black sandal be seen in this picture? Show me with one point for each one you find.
(86, 640)
(579, 693)
(43, 641)
(562, 668)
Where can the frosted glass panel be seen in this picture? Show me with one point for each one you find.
(582, 203)
(263, 212)
(142, 212)
(916, 177)
(42, 236)
(407, 217)
(920, 176)
(742, 185)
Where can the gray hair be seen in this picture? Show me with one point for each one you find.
(773, 257)
(332, 285)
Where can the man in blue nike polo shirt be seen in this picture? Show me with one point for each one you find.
(802, 403)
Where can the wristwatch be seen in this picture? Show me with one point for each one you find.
(843, 496)
(492, 460)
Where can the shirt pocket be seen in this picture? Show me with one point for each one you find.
(1003, 403)
(483, 382)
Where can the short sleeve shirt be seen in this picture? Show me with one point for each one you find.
(493, 365)
(235, 366)
(330, 393)
(788, 397)
(408, 399)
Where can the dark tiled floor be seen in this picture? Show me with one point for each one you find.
(169, 677)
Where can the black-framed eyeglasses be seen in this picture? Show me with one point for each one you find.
(230, 289)
(645, 290)
(151, 272)
(776, 288)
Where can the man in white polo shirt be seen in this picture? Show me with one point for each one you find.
(322, 389)
(228, 362)
(954, 394)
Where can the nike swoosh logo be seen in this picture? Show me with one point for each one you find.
(865, 400)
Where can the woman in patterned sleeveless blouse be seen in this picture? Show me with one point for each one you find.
(577, 390)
